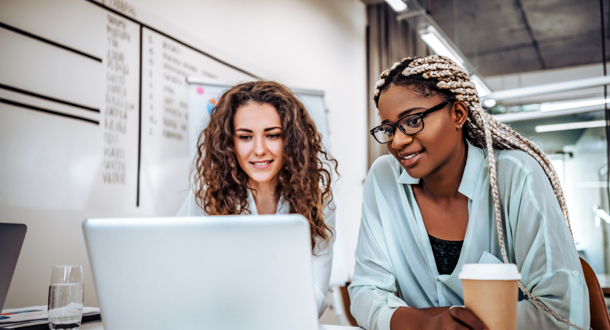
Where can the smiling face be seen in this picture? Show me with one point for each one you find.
(258, 142)
(428, 151)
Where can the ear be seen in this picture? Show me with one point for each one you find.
(459, 113)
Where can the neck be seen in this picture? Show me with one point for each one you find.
(443, 184)
(264, 196)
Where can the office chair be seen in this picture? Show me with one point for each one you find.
(597, 304)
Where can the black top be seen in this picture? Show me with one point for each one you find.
(446, 254)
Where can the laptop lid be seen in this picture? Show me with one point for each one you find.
(218, 272)
(11, 240)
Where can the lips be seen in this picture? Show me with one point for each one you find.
(410, 158)
(261, 164)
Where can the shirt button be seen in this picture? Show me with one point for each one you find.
(575, 273)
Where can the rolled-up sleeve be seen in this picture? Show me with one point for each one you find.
(543, 249)
(373, 289)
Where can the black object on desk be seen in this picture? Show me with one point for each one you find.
(11, 240)
(45, 326)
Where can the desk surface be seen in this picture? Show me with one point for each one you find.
(98, 326)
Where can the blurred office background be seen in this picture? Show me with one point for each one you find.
(57, 170)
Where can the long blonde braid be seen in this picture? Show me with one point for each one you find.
(481, 130)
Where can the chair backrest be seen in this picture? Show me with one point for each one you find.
(597, 304)
(346, 305)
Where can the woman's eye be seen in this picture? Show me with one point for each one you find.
(273, 136)
(245, 137)
(414, 121)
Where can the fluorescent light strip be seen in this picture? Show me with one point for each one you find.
(568, 126)
(563, 105)
(397, 5)
(489, 103)
(438, 44)
(480, 85)
(516, 93)
(601, 213)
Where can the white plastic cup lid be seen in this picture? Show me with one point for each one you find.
(490, 272)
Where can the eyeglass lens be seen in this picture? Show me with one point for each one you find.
(409, 125)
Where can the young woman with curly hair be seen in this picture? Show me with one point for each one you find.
(262, 154)
(458, 187)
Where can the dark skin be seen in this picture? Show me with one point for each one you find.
(437, 155)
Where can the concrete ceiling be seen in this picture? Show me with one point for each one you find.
(511, 36)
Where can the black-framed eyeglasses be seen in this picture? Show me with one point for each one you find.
(408, 125)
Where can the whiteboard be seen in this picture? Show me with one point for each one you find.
(106, 114)
(93, 123)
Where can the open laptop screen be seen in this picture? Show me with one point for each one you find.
(218, 272)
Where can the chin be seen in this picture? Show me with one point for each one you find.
(263, 178)
(418, 171)
(415, 174)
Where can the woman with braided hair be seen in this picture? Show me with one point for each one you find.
(459, 187)
(261, 153)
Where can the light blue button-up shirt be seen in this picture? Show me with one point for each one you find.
(395, 265)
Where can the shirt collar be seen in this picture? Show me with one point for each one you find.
(283, 207)
(473, 168)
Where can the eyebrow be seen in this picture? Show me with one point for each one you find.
(265, 130)
(402, 114)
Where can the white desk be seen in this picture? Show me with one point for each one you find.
(97, 325)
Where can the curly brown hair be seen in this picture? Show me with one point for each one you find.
(221, 185)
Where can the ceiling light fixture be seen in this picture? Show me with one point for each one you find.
(572, 104)
(481, 87)
(517, 93)
(569, 126)
(397, 5)
(489, 103)
(439, 45)
(601, 213)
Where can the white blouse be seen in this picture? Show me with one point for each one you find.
(321, 260)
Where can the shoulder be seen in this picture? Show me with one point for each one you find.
(517, 162)
(517, 170)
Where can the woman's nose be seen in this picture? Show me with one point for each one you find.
(401, 139)
(259, 147)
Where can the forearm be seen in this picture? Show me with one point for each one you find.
(407, 318)
(434, 310)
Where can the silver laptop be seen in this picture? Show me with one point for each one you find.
(11, 240)
(218, 272)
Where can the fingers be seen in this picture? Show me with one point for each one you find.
(467, 318)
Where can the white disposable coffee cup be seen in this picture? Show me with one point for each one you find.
(491, 292)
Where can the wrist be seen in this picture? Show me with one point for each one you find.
(407, 318)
